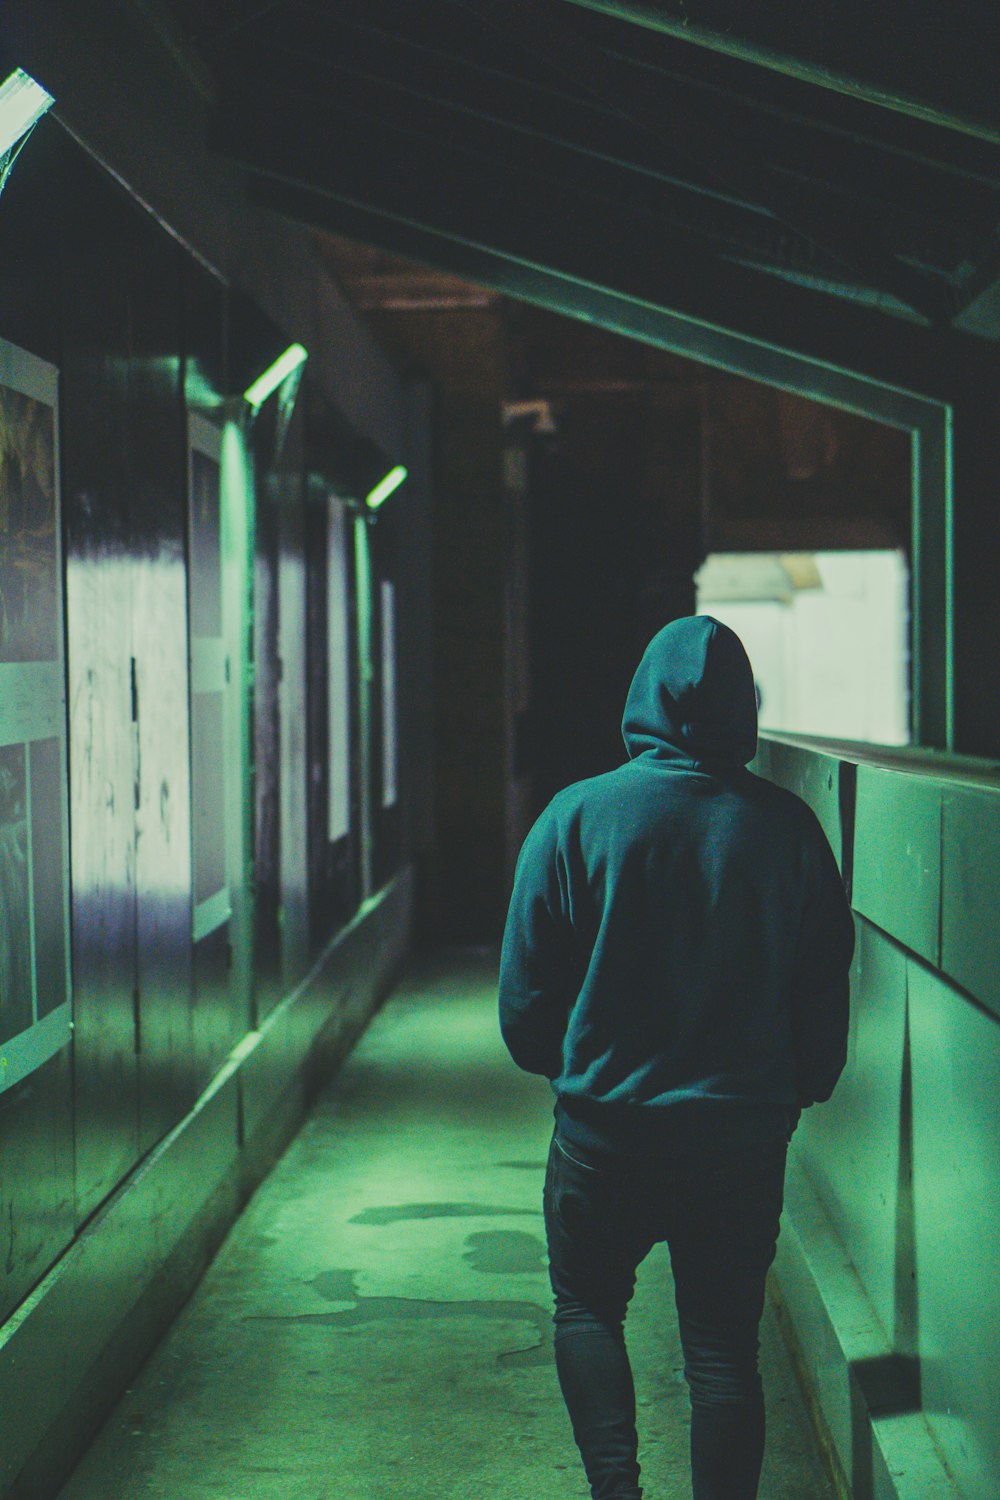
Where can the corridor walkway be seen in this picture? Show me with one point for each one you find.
(377, 1324)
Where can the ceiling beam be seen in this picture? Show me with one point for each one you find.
(493, 115)
(646, 207)
(722, 155)
(714, 223)
(246, 16)
(906, 187)
(373, 39)
(340, 152)
(643, 291)
(916, 57)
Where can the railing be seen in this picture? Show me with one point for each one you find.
(905, 1158)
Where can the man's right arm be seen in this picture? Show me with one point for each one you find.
(821, 1014)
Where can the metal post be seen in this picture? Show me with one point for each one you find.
(362, 577)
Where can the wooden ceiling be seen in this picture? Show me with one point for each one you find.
(697, 152)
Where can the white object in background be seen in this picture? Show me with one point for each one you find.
(389, 766)
(338, 693)
(830, 660)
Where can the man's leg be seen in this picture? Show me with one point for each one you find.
(721, 1248)
(592, 1263)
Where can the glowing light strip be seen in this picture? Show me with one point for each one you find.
(385, 487)
(274, 374)
(22, 104)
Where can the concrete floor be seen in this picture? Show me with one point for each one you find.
(377, 1323)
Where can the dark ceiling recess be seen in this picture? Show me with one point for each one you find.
(922, 58)
(695, 153)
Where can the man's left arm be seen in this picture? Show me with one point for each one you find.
(536, 969)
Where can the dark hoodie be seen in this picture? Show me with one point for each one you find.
(678, 936)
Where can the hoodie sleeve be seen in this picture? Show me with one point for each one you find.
(536, 968)
(823, 960)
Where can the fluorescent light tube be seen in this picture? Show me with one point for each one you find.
(385, 487)
(22, 104)
(274, 375)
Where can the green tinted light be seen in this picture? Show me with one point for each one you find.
(274, 375)
(22, 104)
(385, 487)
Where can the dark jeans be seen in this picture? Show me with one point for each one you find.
(717, 1206)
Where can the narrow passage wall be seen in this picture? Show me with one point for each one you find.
(185, 941)
(886, 1262)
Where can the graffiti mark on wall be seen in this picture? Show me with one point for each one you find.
(28, 575)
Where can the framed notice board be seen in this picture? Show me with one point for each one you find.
(35, 984)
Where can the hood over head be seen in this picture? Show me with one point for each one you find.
(693, 699)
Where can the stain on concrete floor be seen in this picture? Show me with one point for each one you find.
(357, 1336)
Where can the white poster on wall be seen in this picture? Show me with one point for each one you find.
(210, 680)
(389, 749)
(338, 645)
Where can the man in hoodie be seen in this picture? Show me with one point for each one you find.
(675, 962)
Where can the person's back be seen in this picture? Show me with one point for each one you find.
(693, 912)
(676, 951)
